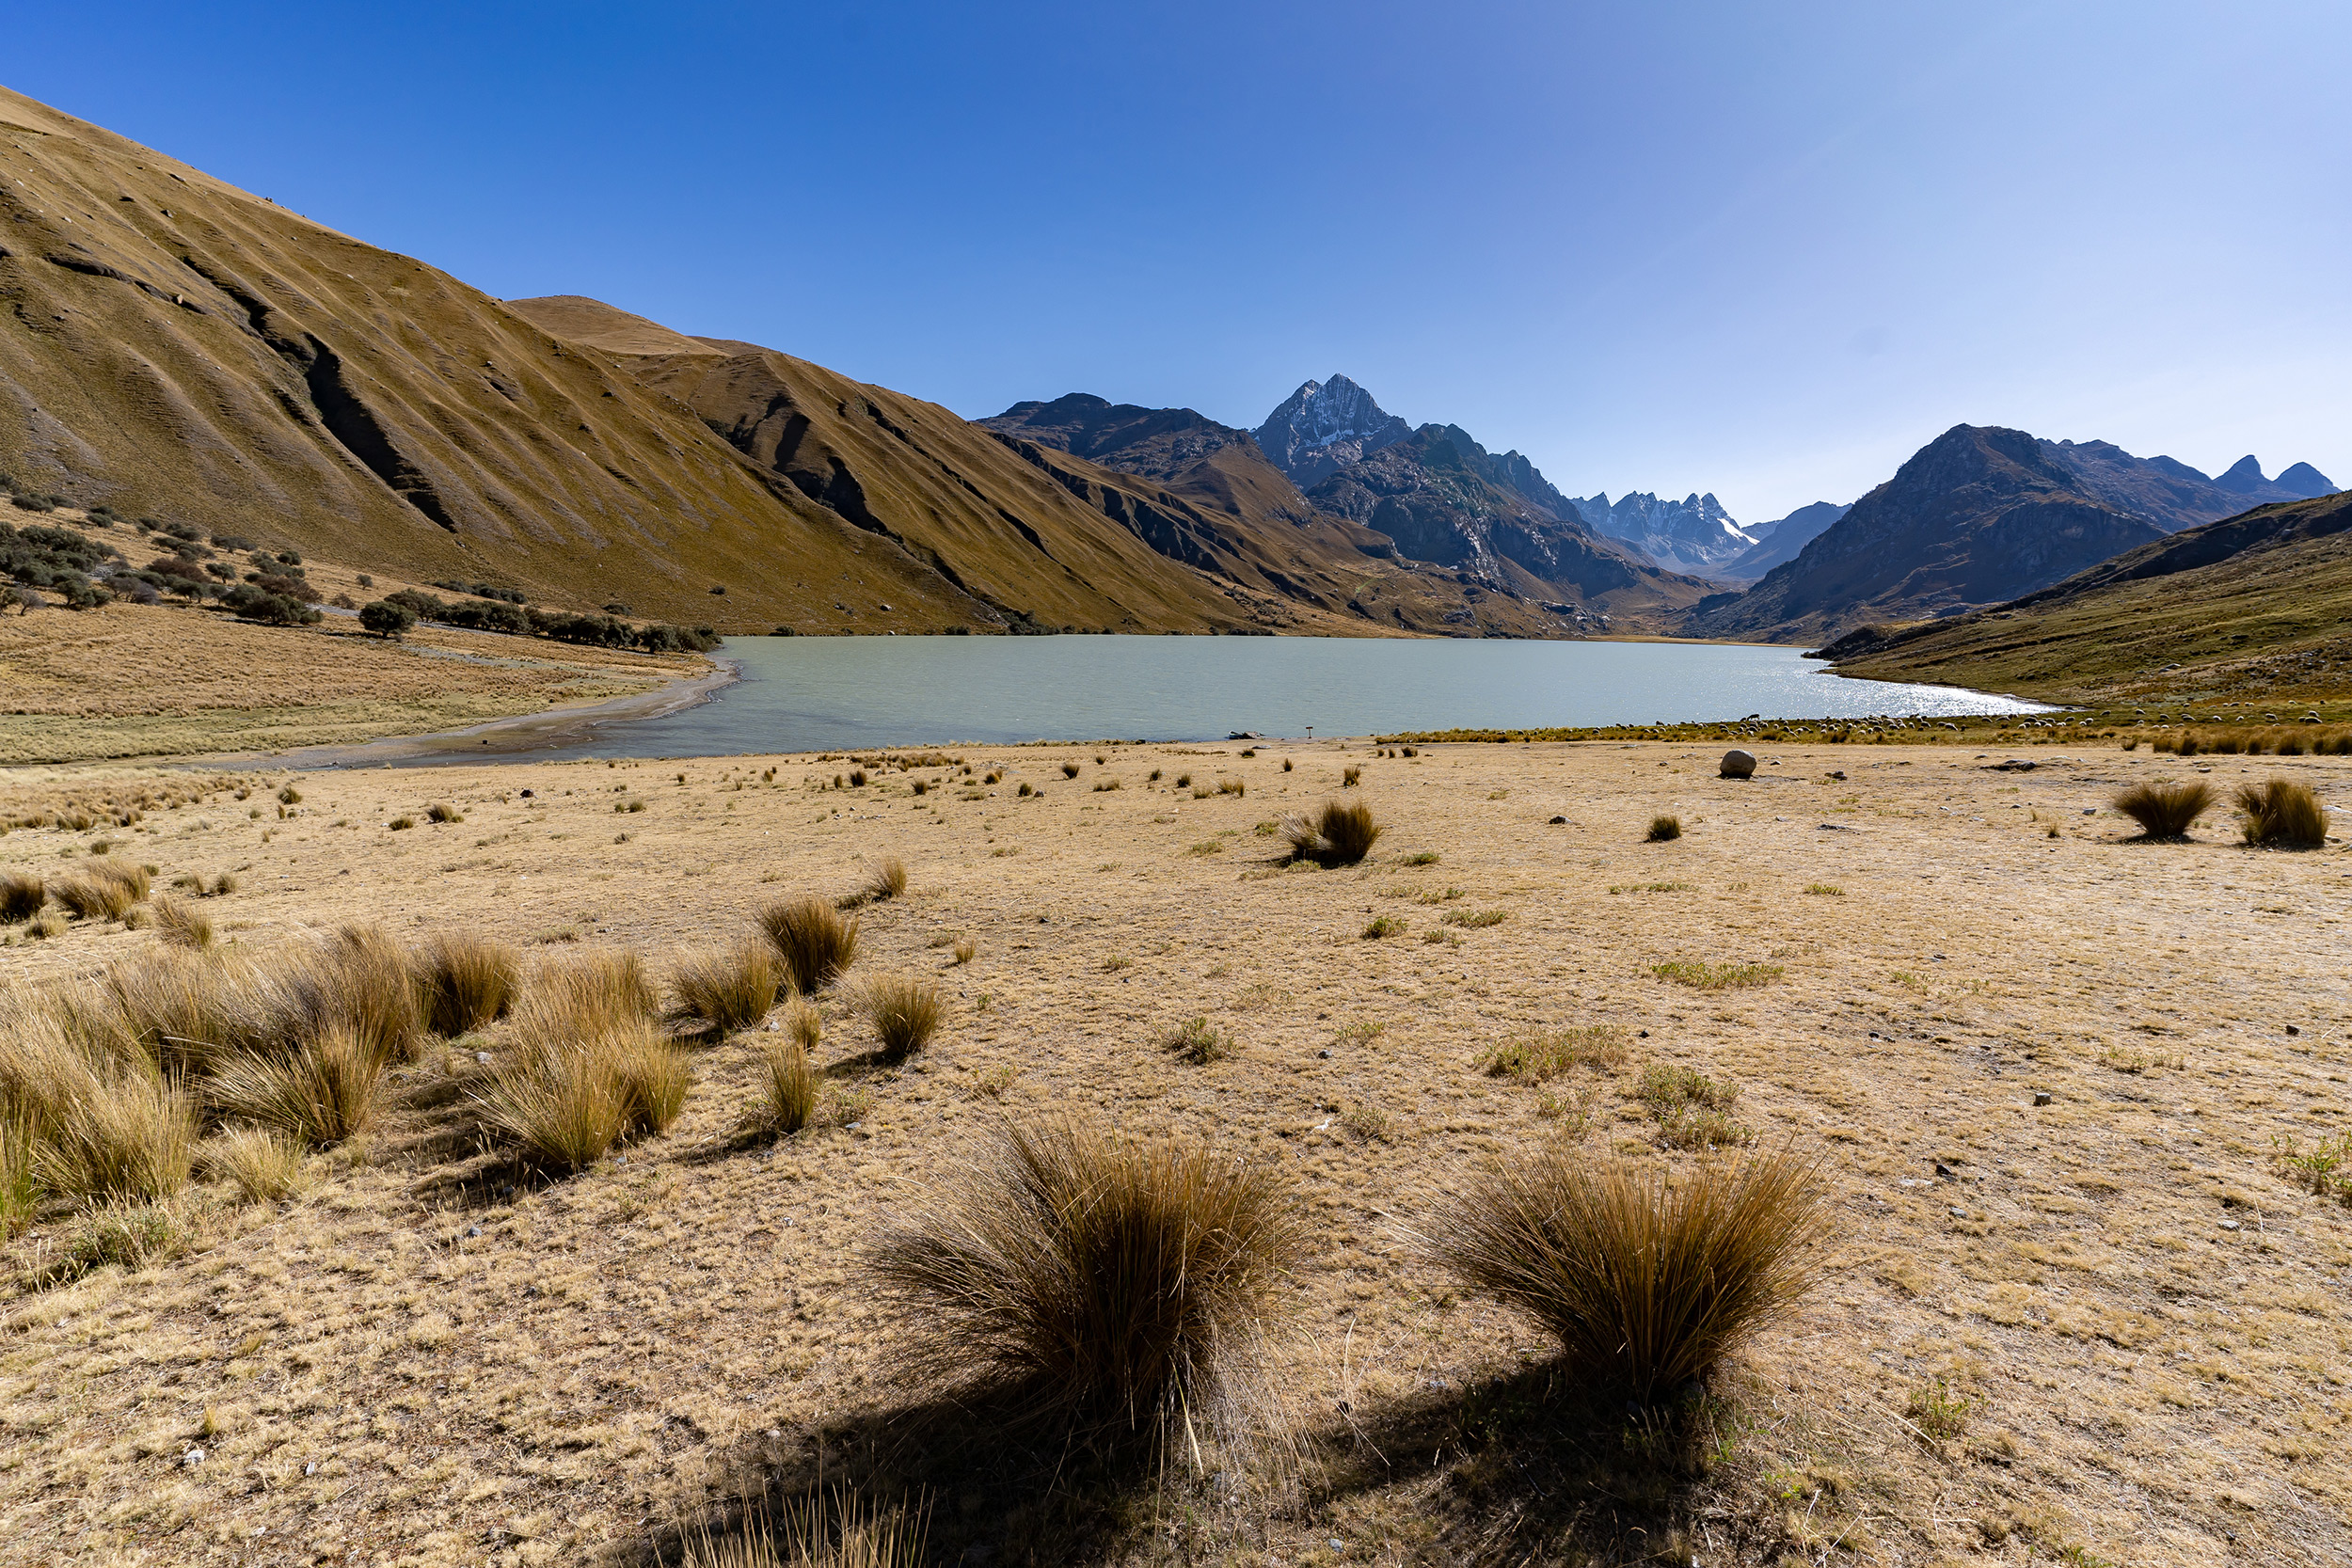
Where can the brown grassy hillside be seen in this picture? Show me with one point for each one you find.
(177, 347)
(1051, 537)
(2253, 605)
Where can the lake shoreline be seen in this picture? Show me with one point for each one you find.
(863, 694)
(516, 737)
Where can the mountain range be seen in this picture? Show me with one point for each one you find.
(182, 348)
(1979, 516)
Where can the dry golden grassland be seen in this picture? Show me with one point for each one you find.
(134, 681)
(2110, 1328)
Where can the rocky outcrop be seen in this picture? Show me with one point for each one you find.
(1694, 534)
(1324, 426)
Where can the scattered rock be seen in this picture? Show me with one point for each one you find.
(2042, 1096)
(1946, 1171)
(1559, 822)
(1836, 828)
(1737, 763)
(1959, 1214)
(1838, 774)
(2293, 1029)
(191, 1458)
(2230, 1225)
(2014, 765)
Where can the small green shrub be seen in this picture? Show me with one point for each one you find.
(1539, 1057)
(1383, 925)
(1196, 1042)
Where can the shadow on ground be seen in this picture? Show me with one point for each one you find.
(1518, 1470)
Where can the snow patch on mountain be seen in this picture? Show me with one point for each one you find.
(1325, 425)
(1688, 535)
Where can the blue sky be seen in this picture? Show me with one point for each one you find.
(1766, 250)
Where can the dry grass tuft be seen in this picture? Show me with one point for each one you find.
(263, 1166)
(790, 1084)
(729, 991)
(887, 880)
(21, 895)
(566, 1098)
(359, 980)
(1068, 769)
(441, 811)
(183, 925)
(1120, 1288)
(812, 938)
(849, 1532)
(2164, 809)
(101, 889)
(1662, 828)
(965, 950)
(1646, 1284)
(1339, 835)
(905, 1011)
(116, 1132)
(2282, 814)
(465, 982)
(322, 1093)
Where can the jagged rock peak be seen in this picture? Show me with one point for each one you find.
(1687, 536)
(1326, 425)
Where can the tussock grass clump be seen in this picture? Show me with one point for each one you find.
(1349, 777)
(1382, 926)
(441, 811)
(2282, 814)
(1232, 786)
(358, 980)
(886, 881)
(1646, 1286)
(465, 982)
(1337, 835)
(1540, 1055)
(813, 941)
(21, 895)
(20, 1172)
(182, 926)
(116, 1132)
(263, 1166)
(2164, 809)
(1662, 828)
(322, 1093)
(730, 991)
(1118, 1288)
(905, 1011)
(789, 1083)
(1068, 769)
(401, 824)
(565, 1096)
(98, 890)
(965, 950)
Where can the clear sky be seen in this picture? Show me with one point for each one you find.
(1762, 249)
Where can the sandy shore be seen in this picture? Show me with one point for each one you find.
(499, 737)
(2136, 1323)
